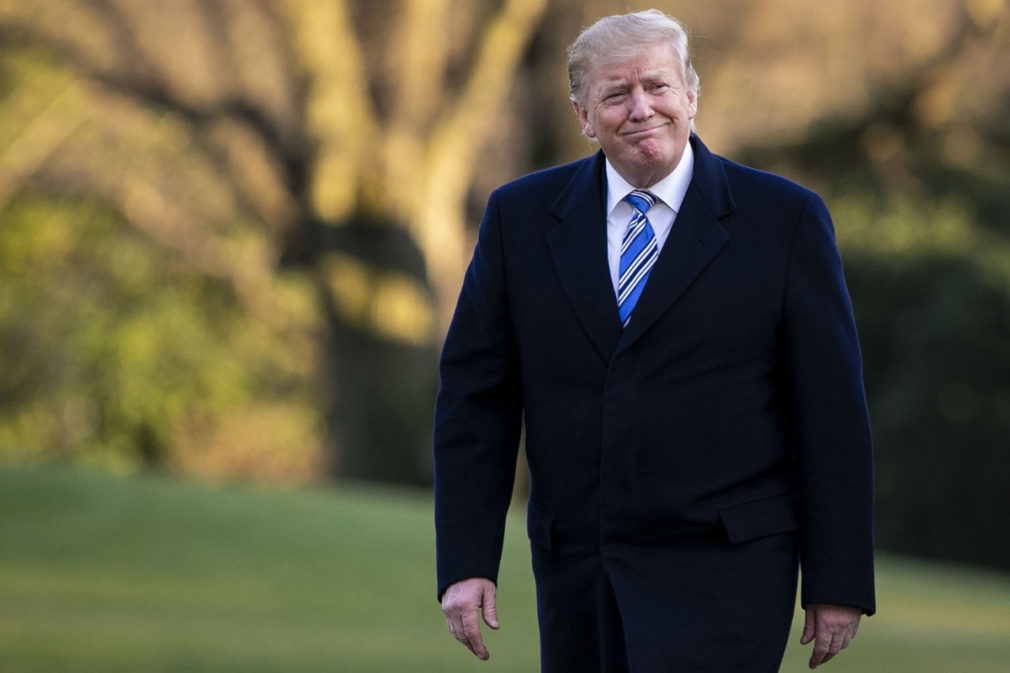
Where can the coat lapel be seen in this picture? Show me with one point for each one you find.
(578, 246)
(695, 239)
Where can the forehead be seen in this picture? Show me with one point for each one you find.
(657, 60)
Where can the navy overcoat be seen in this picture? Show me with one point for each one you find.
(684, 461)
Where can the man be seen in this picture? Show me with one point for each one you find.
(675, 331)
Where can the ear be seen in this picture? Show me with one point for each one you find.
(583, 115)
(692, 104)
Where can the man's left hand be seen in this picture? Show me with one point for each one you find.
(831, 627)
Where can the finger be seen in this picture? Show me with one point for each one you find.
(822, 649)
(457, 627)
(489, 609)
(471, 634)
(841, 635)
(833, 649)
(808, 628)
(849, 635)
(454, 622)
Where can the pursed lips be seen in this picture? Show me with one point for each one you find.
(640, 132)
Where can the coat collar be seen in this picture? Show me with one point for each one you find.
(578, 246)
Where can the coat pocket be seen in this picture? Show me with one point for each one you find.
(540, 526)
(760, 518)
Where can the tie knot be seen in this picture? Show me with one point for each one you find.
(641, 200)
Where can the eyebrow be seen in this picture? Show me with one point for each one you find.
(653, 75)
(619, 83)
(648, 75)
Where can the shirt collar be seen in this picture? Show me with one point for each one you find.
(670, 190)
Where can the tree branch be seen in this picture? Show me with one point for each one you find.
(456, 143)
(338, 106)
(419, 50)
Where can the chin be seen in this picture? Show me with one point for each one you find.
(651, 155)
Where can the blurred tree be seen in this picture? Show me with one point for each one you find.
(118, 354)
(916, 167)
(338, 138)
(295, 177)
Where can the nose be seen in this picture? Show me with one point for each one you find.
(640, 108)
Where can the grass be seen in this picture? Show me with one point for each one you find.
(147, 573)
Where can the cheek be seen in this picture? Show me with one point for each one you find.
(593, 125)
(607, 122)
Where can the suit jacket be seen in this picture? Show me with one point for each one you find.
(730, 408)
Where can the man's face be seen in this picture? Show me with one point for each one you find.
(640, 112)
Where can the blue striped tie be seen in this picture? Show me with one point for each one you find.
(639, 251)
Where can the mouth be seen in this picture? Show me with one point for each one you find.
(639, 133)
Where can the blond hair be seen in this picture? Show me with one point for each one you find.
(621, 37)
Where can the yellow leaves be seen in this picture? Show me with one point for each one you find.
(111, 342)
(26, 247)
(389, 304)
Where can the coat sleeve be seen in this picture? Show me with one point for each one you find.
(830, 425)
(477, 418)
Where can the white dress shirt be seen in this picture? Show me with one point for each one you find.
(670, 193)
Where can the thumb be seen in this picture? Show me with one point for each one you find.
(488, 607)
(808, 627)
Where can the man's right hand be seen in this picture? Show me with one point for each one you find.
(463, 604)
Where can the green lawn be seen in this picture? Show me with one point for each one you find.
(149, 574)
